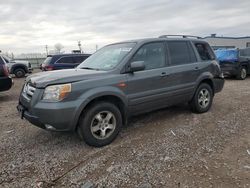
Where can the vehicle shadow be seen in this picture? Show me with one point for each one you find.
(4, 97)
(161, 114)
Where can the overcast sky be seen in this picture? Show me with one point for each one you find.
(28, 25)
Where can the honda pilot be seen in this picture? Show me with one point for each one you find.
(119, 81)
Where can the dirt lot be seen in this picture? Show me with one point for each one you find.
(168, 148)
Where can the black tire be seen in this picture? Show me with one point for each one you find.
(19, 73)
(84, 129)
(201, 107)
(242, 74)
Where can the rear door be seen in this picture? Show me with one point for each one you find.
(183, 71)
(146, 88)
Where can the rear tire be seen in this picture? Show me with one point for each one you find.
(203, 99)
(100, 124)
(242, 74)
(19, 73)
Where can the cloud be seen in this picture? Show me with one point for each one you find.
(27, 25)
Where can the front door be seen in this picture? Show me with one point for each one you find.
(146, 88)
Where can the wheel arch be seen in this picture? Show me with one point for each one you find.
(18, 66)
(111, 97)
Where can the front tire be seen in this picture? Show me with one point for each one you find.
(203, 99)
(19, 73)
(100, 124)
(242, 74)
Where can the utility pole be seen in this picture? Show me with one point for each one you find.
(80, 46)
(46, 48)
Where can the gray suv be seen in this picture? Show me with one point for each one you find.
(119, 81)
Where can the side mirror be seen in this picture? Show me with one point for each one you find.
(137, 66)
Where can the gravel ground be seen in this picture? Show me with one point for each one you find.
(167, 148)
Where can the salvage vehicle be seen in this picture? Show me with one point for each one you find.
(234, 62)
(18, 67)
(63, 61)
(119, 81)
(5, 79)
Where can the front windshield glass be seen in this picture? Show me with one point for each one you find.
(107, 57)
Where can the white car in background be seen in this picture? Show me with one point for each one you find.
(18, 67)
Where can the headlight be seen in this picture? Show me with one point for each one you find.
(56, 92)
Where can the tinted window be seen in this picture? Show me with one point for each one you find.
(180, 52)
(152, 54)
(204, 51)
(65, 60)
(79, 59)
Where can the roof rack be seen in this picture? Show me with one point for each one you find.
(182, 36)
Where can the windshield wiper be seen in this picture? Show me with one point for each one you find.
(89, 68)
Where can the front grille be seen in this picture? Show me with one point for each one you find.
(29, 90)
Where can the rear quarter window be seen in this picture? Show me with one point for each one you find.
(204, 51)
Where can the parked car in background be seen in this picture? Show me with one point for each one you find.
(18, 67)
(119, 81)
(234, 62)
(63, 61)
(5, 79)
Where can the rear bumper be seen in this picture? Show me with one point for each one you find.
(5, 83)
(218, 84)
(229, 69)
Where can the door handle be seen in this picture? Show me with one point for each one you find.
(196, 68)
(164, 74)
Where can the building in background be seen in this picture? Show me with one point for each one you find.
(228, 42)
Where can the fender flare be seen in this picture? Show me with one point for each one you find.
(95, 93)
(18, 65)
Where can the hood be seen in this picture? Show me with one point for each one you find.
(43, 79)
(26, 63)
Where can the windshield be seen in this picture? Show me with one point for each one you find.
(107, 57)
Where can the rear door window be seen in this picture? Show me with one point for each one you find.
(204, 51)
(65, 60)
(180, 52)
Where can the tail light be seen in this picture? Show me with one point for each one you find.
(5, 70)
(48, 68)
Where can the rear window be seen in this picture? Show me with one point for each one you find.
(181, 52)
(47, 61)
(227, 54)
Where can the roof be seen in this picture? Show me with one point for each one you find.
(246, 37)
(61, 55)
(144, 40)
